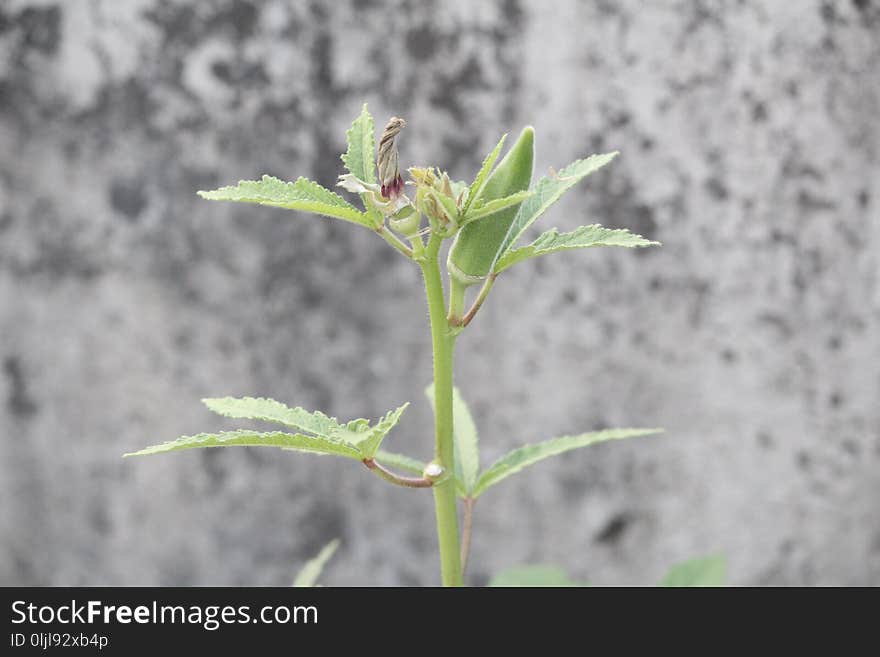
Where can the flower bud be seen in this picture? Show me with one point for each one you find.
(422, 176)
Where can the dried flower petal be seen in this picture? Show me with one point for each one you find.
(387, 161)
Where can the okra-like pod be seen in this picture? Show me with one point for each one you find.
(477, 244)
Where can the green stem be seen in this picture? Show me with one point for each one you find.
(444, 342)
(456, 301)
(392, 239)
(418, 247)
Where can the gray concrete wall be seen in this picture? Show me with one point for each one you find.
(750, 146)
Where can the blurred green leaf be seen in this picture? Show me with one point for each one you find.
(701, 571)
(537, 575)
(311, 571)
(466, 441)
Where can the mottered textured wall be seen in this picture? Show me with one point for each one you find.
(750, 147)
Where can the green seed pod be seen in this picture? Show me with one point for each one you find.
(476, 245)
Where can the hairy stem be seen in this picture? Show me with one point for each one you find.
(400, 480)
(467, 525)
(394, 241)
(418, 247)
(456, 302)
(443, 342)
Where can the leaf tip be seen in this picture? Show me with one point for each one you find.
(650, 431)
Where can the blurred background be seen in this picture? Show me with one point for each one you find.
(750, 147)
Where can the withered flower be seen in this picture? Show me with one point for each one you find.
(387, 160)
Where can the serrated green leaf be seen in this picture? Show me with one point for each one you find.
(400, 461)
(357, 433)
(580, 238)
(536, 575)
(303, 195)
(372, 438)
(465, 440)
(360, 157)
(702, 571)
(518, 459)
(548, 190)
(358, 426)
(311, 571)
(481, 210)
(476, 187)
(244, 438)
(269, 410)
